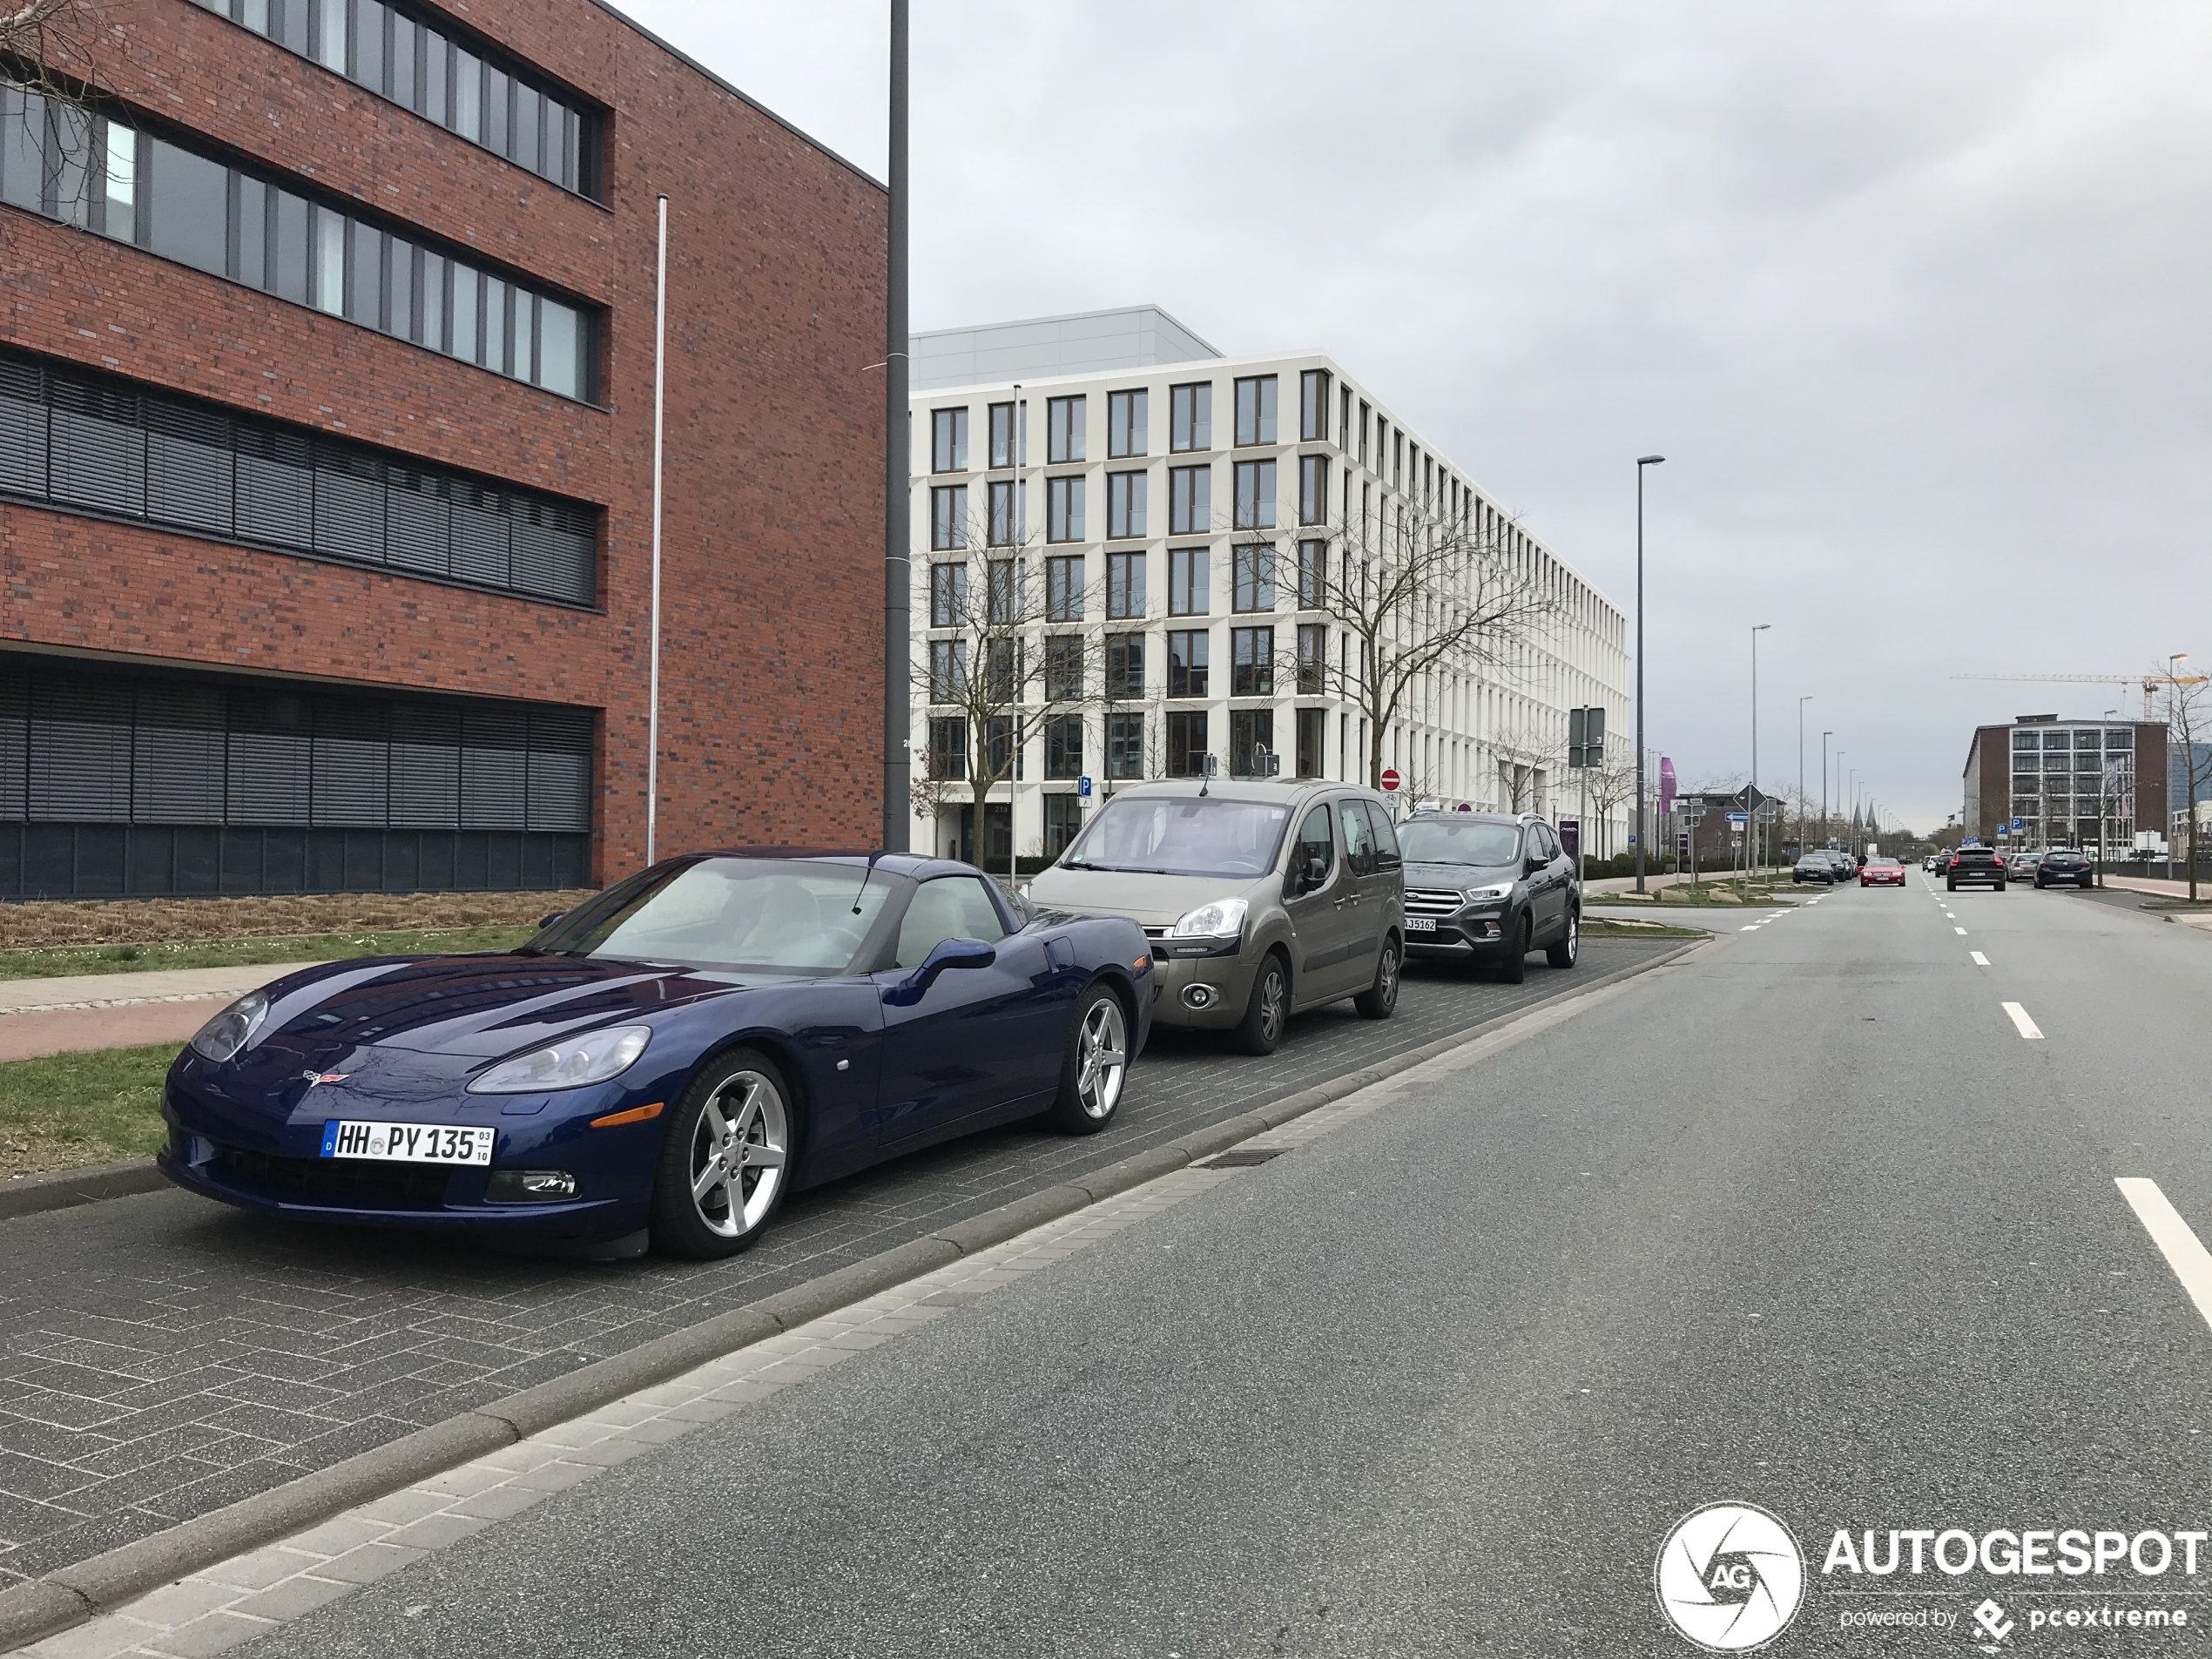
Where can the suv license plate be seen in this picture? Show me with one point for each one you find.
(408, 1142)
(1420, 924)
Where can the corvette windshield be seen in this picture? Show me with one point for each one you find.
(757, 915)
(1163, 835)
(1436, 841)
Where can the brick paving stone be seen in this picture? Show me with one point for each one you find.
(143, 1339)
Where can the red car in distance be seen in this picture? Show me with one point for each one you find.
(1877, 872)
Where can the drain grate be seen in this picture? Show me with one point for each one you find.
(1245, 1159)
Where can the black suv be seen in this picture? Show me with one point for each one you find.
(1975, 867)
(1489, 889)
(2067, 863)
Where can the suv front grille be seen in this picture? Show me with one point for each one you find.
(343, 1180)
(1431, 901)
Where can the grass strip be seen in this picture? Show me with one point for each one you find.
(54, 961)
(64, 1110)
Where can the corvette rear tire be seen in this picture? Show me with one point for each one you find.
(1095, 1066)
(726, 1162)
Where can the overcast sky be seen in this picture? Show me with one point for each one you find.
(1914, 296)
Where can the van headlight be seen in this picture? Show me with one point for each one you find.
(591, 1058)
(1222, 918)
(223, 1035)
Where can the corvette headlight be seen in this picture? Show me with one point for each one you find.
(1216, 921)
(1495, 890)
(223, 1035)
(591, 1058)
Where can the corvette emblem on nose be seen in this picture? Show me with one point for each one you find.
(314, 1077)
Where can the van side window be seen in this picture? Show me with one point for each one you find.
(1358, 838)
(1314, 842)
(1387, 853)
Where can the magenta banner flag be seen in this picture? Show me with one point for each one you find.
(1666, 785)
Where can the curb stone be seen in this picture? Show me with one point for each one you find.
(69, 1596)
(32, 1195)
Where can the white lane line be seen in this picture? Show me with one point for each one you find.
(1751, 928)
(2027, 1026)
(1980, 961)
(1961, 932)
(2191, 1263)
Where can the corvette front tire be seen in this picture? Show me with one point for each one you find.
(725, 1162)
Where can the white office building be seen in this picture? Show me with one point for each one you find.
(1133, 469)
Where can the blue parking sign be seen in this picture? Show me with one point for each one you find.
(1082, 787)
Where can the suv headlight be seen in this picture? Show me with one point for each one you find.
(591, 1058)
(223, 1035)
(1216, 921)
(1495, 890)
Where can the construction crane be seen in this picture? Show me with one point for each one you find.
(2123, 681)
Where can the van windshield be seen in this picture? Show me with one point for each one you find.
(1162, 835)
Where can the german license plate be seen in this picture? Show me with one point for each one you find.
(408, 1142)
(1420, 924)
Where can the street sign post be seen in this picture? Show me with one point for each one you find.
(1082, 790)
(1739, 817)
(1390, 780)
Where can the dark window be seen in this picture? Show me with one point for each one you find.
(1002, 747)
(1004, 601)
(1255, 494)
(1313, 406)
(948, 441)
(949, 516)
(1252, 572)
(97, 443)
(1064, 425)
(1190, 417)
(1190, 501)
(1312, 735)
(1001, 434)
(1125, 493)
(1063, 667)
(947, 670)
(1312, 490)
(1002, 664)
(1187, 654)
(1006, 528)
(1124, 746)
(1365, 414)
(1186, 743)
(1064, 509)
(1312, 659)
(1125, 666)
(1124, 585)
(1313, 573)
(948, 747)
(1255, 410)
(1064, 749)
(189, 199)
(1064, 589)
(1189, 582)
(1125, 412)
(1251, 662)
(1063, 819)
(1252, 743)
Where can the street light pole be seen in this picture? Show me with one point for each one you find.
(1802, 701)
(1750, 799)
(1823, 784)
(897, 480)
(1642, 838)
(2107, 780)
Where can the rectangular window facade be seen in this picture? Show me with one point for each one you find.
(1064, 509)
(1125, 666)
(947, 670)
(1125, 494)
(1189, 582)
(949, 516)
(89, 443)
(1063, 667)
(1313, 406)
(1003, 661)
(1256, 410)
(416, 60)
(1186, 754)
(1063, 821)
(1124, 585)
(1190, 501)
(1064, 427)
(1190, 417)
(1343, 420)
(1005, 528)
(1398, 459)
(1251, 662)
(1125, 419)
(1002, 747)
(1312, 734)
(948, 441)
(1252, 577)
(1064, 589)
(1188, 652)
(1001, 434)
(1063, 750)
(1252, 743)
(181, 206)
(1312, 574)
(1366, 413)
(948, 746)
(1312, 659)
(1255, 494)
(1313, 490)
(1004, 602)
(1124, 746)
(947, 595)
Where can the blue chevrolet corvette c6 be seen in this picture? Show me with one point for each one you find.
(664, 1064)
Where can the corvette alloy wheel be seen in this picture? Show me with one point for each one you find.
(740, 1149)
(1102, 1058)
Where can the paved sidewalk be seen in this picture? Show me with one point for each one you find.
(82, 1011)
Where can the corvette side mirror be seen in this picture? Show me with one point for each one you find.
(947, 954)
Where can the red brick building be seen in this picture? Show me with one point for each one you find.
(326, 457)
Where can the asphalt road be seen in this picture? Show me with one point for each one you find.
(161, 1356)
(1806, 1223)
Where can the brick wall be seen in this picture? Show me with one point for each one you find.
(772, 526)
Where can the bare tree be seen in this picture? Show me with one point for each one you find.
(1413, 597)
(49, 56)
(1006, 656)
(2189, 723)
(1519, 758)
(1612, 783)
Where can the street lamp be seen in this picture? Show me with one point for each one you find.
(1641, 462)
(1824, 783)
(1802, 701)
(2107, 783)
(1750, 799)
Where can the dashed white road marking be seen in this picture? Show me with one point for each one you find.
(2027, 1026)
(1980, 961)
(1961, 932)
(2177, 1241)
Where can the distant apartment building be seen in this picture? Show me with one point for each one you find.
(2054, 777)
(1160, 503)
